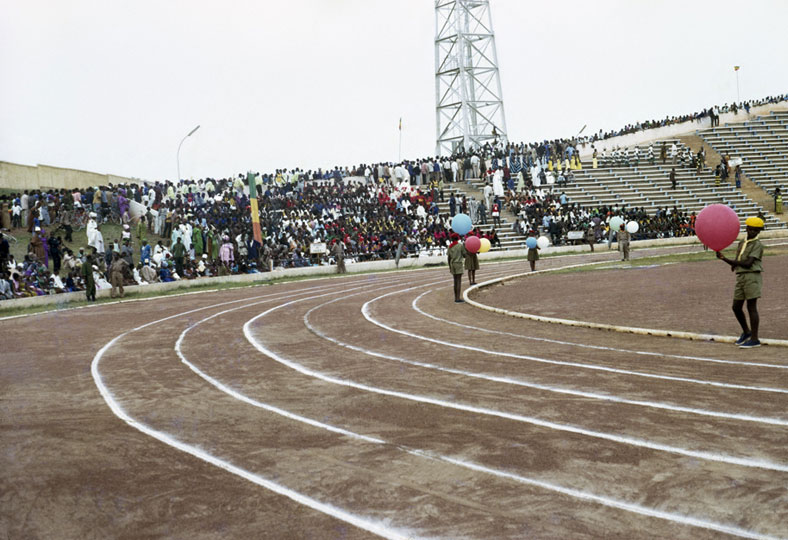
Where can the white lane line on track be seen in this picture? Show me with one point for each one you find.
(575, 493)
(255, 403)
(632, 441)
(536, 386)
(658, 332)
(416, 307)
(366, 312)
(372, 526)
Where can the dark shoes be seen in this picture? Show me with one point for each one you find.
(750, 344)
(459, 301)
(742, 338)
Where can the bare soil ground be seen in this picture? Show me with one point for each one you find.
(406, 414)
(693, 297)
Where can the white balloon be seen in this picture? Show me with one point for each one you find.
(542, 242)
(632, 227)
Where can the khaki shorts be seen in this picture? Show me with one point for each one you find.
(748, 286)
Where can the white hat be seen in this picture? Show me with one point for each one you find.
(92, 214)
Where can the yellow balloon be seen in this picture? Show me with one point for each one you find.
(485, 246)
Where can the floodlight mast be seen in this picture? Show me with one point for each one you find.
(468, 96)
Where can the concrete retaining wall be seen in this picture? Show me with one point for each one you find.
(21, 177)
(353, 268)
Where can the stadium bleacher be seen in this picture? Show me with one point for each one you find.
(761, 143)
(648, 186)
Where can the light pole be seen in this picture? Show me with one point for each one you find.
(178, 155)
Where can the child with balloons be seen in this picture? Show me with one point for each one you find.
(533, 252)
(534, 246)
(472, 246)
(460, 226)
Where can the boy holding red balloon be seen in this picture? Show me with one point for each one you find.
(471, 262)
(748, 268)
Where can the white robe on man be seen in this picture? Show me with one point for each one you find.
(498, 183)
(95, 238)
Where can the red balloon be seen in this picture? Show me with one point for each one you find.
(717, 226)
(472, 244)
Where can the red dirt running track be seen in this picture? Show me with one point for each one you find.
(374, 406)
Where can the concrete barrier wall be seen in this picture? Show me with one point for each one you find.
(21, 177)
(15, 176)
(684, 128)
(352, 268)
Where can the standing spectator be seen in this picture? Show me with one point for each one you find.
(475, 164)
(673, 178)
(496, 213)
(4, 251)
(487, 192)
(87, 277)
(226, 254)
(178, 252)
(339, 254)
(590, 237)
(623, 242)
(117, 273)
(16, 214)
(145, 253)
(24, 203)
(55, 253)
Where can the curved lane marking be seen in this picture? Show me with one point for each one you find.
(416, 308)
(537, 386)
(374, 527)
(600, 326)
(366, 524)
(632, 441)
(365, 310)
(549, 486)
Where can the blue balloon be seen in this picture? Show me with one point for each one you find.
(461, 224)
(531, 242)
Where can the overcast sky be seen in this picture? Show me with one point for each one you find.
(113, 86)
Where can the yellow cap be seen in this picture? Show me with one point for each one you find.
(755, 222)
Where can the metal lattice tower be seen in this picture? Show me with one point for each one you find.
(468, 98)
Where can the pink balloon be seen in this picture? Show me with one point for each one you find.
(717, 226)
(472, 244)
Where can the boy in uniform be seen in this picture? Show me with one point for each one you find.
(748, 267)
(456, 255)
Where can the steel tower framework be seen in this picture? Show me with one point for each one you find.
(468, 97)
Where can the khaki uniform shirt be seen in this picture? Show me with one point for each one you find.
(750, 248)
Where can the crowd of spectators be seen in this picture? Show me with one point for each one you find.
(203, 228)
(712, 113)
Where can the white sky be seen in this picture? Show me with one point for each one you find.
(112, 86)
